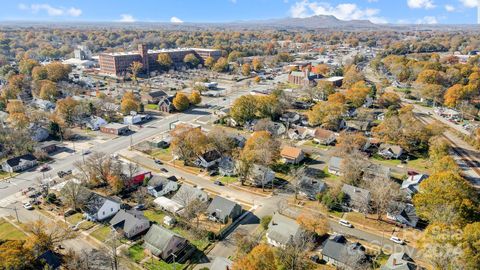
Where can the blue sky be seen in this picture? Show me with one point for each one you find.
(379, 11)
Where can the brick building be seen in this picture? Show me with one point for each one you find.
(118, 64)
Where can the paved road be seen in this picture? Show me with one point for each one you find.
(10, 188)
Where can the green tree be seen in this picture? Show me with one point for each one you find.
(191, 60)
(26, 65)
(135, 67)
(244, 109)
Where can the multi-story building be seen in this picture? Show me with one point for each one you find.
(118, 64)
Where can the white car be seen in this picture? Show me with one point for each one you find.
(28, 206)
(345, 223)
(397, 240)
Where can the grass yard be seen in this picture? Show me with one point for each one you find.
(227, 180)
(86, 225)
(419, 164)
(75, 218)
(136, 253)
(311, 143)
(10, 232)
(155, 216)
(163, 154)
(201, 243)
(151, 106)
(101, 233)
(156, 264)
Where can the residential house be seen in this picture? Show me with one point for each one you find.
(300, 133)
(311, 187)
(19, 163)
(336, 81)
(261, 175)
(208, 159)
(133, 178)
(337, 251)
(166, 244)
(226, 166)
(168, 205)
(390, 151)
(49, 260)
(403, 213)
(160, 186)
(166, 104)
(400, 261)
(47, 147)
(153, 97)
(130, 222)
(335, 165)
(95, 122)
(358, 125)
(160, 142)
(372, 170)
(222, 210)
(38, 133)
(290, 118)
(411, 185)
(357, 199)
(115, 128)
(221, 263)
(282, 230)
(292, 155)
(324, 136)
(187, 194)
(98, 207)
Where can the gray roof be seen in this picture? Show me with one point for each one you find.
(281, 228)
(357, 196)
(95, 202)
(158, 239)
(335, 163)
(399, 261)
(221, 207)
(338, 248)
(376, 170)
(395, 149)
(158, 181)
(187, 194)
(127, 220)
(311, 186)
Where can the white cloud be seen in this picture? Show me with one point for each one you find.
(345, 11)
(427, 20)
(50, 10)
(127, 18)
(449, 8)
(470, 3)
(426, 4)
(175, 20)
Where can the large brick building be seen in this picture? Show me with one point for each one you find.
(118, 64)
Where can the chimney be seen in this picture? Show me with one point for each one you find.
(394, 261)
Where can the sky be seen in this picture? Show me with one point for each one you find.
(179, 11)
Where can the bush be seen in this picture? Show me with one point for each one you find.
(211, 236)
(265, 221)
(51, 198)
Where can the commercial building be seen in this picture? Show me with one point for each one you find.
(118, 64)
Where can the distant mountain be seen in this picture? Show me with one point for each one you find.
(314, 22)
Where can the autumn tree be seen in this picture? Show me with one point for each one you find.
(349, 142)
(44, 237)
(433, 92)
(57, 71)
(262, 257)
(39, 73)
(135, 68)
(383, 192)
(191, 60)
(455, 94)
(294, 254)
(130, 103)
(244, 109)
(209, 62)
(337, 98)
(195, 98)
(17, 114)
(74, 195)
(430, 76)
(181, 102)
(314, 222)
(164, 61)
(257, 64)
(26, 65)
(97, 168)
(221, 140)
(327, 114)
(15, 254)
(261, 148)
(389, 99)
(188, 143)
(441, 246)
(221, 65)
(48, 90)
(15, 85)
(446, 197)
(471, 245)
(67, 109)
(246, 69)
(115, 182)
(321, 69)
(351, 76)
(357, 94)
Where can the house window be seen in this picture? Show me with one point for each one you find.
(111, 209)
(104, 212)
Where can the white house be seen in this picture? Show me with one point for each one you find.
(168, 205)
(159, 186)
(19, 163)
(282, 230)
(208, 159)
(130, 222)
(95, 122)
(98, 207)
(390, 151)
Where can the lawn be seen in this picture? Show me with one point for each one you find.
(86, 225)
(151, 106)
(200, 243)
(227, 179)
(420, 164)
(75, 218)
(101, 233)
(136, 253)
(163, 154)
(161, 265)
(10, 232)
(154, 216)
(311, 143)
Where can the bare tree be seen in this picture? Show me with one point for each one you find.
(96, 168)
(295, 182)
(293, 255)
(383, 193)
(194, 210)
(352, 167)
(74, 194)
(46, 236)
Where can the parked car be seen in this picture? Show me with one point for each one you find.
(159, 162)
(44, 168)
(163, 170)
(218, 183)
(397, 240)
(28, 206)
(345, 223)
(62, 174)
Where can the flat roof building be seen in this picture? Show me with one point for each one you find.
(118, 63)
